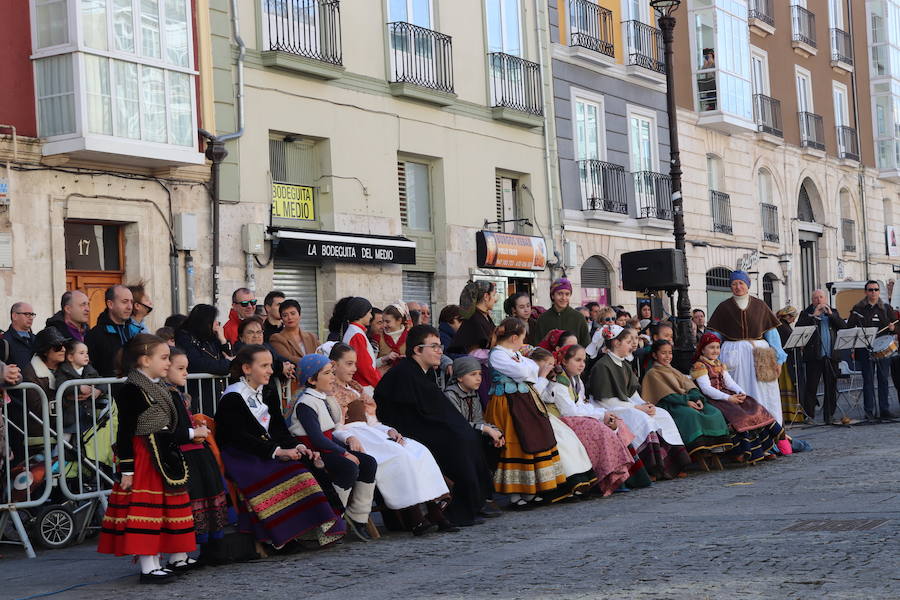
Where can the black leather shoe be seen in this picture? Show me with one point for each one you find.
(183, 566)
(447, 527)
(422, 528)
(886, 414)
(358, 530)
(489, 512)
(158, 576)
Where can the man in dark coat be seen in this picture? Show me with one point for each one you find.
(19, 335)
(561, 315)
(410, 401)
(113, 330)
(871, 311)
(72, 319)
(818, 354)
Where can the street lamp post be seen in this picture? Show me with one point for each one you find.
(685, 338)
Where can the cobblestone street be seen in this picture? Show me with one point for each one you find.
(719, 535)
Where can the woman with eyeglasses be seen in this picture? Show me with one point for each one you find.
(49, 355)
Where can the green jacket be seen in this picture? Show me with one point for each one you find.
(567, 320)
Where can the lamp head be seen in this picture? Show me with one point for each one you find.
(665, 7)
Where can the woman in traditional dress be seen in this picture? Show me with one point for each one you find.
(595, 427)
(281, 499)
(751, 346)
(357, 316)
(476, 303)
(392, 344)
(614, 386)
(787, 379)
(407, 472)
(701, 425)
(205, 485)
(149, 508)
(753, 429)
(530, 469)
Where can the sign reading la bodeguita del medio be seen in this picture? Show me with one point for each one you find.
(321, 246)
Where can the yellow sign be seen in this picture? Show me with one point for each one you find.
(293, 202)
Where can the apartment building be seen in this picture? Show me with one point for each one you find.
(99, 151)
(787, 121)
(385, 146)
(611, 137)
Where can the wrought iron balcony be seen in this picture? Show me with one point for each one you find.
(603, 186)
(652, 195)
(848, 233)
(769, 222)
(515, 83)
(847, 142)
(591, 27)
(803, 23)
(720, 205)
(308, 28)
(645, 46)
(421, 57)
(762, 11)
(812, 132)
(841, 47)
(767, 114)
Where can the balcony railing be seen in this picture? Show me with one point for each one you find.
(770, 222)
(720, 205)
(762, 10)
(848, 142)
(652, 195)
(767, 114)
(515, 83)
(803, 24)
(645, 46)
(603, 186)
(812, 132)
(848, 233)
(591, 27)
(421, 57)
(309, 28)
(841, 47)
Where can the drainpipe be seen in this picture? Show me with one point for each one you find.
(549, 140)
(216, 152)
(189, 280)
(861, 175)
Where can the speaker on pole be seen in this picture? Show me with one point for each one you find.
(658, 269)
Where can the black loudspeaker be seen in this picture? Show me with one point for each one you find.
(659, 269)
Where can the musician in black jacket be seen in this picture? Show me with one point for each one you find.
(872, 312)
(818, 355)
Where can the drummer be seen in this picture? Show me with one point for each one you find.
(871, 311)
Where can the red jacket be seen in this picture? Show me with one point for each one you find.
(366, 373)
(231, 327)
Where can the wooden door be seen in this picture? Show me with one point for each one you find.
(94, 284)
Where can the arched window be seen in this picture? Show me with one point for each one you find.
(804, 205)
(718, 287)
(768, 207)
(596, 281)
(848, 221)
(769, 286)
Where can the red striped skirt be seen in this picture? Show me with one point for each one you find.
(147, 519)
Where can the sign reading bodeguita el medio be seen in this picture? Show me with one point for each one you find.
(321, 246)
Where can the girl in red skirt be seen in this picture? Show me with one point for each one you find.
(149, 509)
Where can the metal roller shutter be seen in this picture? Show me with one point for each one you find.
(298, 281)
(595, 273)
(417, 287)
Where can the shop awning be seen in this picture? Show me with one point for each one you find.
(318, 246)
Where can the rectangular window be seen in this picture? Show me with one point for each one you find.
(293, 167)
(99, 97)
(841, 110)
(641, 142)
(415, 195)
(759, 71)
(507, 194)
(150, 35)
(417, 12)
(93, 24)
(588, 130)
(504, 27)
(123, 25)
(836, 14)
(804, 91)
(54, 86)
(51, 23)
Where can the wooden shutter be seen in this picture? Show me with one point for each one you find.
(401, 184)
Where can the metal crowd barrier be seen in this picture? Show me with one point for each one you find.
(79, 462)
(26, 462)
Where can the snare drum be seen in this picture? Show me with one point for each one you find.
(884, 347)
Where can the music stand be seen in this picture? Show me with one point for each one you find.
(799, 338)
(855, 337)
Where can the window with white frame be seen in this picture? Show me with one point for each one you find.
(804, 90)
(504, 27)
(642, 140)
(835, 14)
(588, 125)
(128, 74)
(759, 71)
(841, 109)
(415, 195)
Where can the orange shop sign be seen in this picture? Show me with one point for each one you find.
(510, 251)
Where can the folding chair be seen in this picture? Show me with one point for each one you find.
(849, 390)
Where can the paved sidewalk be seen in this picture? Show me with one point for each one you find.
(719, 535)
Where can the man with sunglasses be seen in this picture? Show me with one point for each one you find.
(871, 311)
(19, 336)
(142, 306)
(243, 306)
